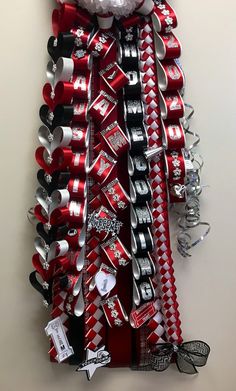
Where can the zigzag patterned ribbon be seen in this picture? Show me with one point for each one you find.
(165, 324)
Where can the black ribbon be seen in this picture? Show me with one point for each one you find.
(138, 138)
(138, 166)
(46, 293)
(62, 46)
(58, 180)
(187, 356)
(55, 233)
(46, 116)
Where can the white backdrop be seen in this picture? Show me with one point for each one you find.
(206, 283)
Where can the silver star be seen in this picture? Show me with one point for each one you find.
(80, 33)
(78, 42)
(121, 205)
(129, 37)
(123, 262)
(112, 246)
(45, 265)
(118, 322)
(114, 314)
(110, 305)
(116, 197)
(111, 190)
(45, 285)
(165, 12)
(169, 20)
(117, 254)
(45, 303)
(94, 360)
(99, 46)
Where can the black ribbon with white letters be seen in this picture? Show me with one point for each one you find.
(187, 356)
(138, 166)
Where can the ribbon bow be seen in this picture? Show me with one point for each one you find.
(187, 356)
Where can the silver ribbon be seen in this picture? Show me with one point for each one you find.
(190, 219)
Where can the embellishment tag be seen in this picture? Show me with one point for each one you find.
(104, 221)
(116, 195)
(105, 280)
(115, 138)
(102, 167)
(103, 105)
(94, 360)
(114, 312)
(114, 76)
(116, 252)
(56, 331)
(142, 315)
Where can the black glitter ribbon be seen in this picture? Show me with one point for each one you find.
(187, 356)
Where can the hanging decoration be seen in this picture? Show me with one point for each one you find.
(117, 157)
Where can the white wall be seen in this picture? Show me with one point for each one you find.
(206, 283)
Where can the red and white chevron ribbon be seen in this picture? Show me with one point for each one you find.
(169, 314)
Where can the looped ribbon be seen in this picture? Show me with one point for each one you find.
(45, 289)
(69, 15)
(187, 356)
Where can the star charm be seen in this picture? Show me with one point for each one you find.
(45, 285)
(94, 360)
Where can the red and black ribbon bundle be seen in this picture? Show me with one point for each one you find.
(116, 150)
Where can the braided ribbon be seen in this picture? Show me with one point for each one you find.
(187, 356)
(169, 323)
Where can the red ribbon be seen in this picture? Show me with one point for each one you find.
(63, 18)
(116, 196)
(101, 44)
(174, 78)
(176, 172)
(77, 188)
(114, 312)
(67, 16)
(114, 76)
(168, 46)
(75, 212)
(115, 139)
(116, 253)
(79, 89)
(102, 167)
(59, 160)
(172, 105)
(102, 107)
(174, 135)
(79, 164)
(164, 17)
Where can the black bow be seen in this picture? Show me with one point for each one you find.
(187, 356)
